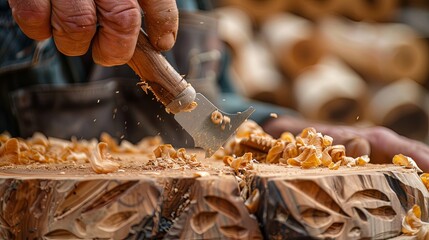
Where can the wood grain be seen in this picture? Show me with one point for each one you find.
(350, 203)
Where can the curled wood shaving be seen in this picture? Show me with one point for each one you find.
(240, 163)
(407, 162)
(10, 152)
(287, 137)
(4, 137)
(190, 107)
(275, 152)
(101, 161)
(216, 117)
(167, 157)
(413, 225)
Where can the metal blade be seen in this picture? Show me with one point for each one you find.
(205, 133)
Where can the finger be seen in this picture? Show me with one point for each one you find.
(33, 17)
(116, 38)
(388, 143)
(73, 25)
(161, 20)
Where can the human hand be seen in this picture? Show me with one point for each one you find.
(380, 143)
(111, 27)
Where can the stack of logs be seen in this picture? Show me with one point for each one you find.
(339, 61)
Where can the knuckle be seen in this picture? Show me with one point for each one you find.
(125, 20)
(84, 23)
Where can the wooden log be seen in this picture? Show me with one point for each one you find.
(317, 10)
(401, 106)
(376, 10)
(254, 71)
(349, 203)
(253, 68)
(234, 27)
(330, 91)
(258, 11)
(381, 52)
(294, 42)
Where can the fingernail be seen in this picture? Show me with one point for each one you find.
(166, 41)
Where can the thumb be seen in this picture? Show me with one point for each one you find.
(161, 18)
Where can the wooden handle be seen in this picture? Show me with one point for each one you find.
(168, 86)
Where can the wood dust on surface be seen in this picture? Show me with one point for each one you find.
(130, 166)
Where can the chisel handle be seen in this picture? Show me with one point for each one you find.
(169, 87)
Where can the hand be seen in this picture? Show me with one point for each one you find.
(380, 143)
(73, 25)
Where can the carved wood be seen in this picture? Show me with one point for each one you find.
(351, 203)
(71, 202)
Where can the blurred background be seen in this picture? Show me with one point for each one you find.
(356, 62)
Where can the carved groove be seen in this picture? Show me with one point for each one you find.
(61, 234)
(385, 212)
(224, 206)
(361, 214)
(80, 226)
(313, 191)
(117, 220)
(82, 192)
(110, 196)
(315, 217)
(334, 229)
(234, 232)
(369, 194)
(203, 221)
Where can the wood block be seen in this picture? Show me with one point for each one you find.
(57, 201)
(350, 203)
(63, 202)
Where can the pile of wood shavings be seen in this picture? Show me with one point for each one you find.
(166, 157)
(309, 149)
(40, 149)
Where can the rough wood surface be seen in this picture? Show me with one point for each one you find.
(71, 202)
(351, 203)
(63, 202)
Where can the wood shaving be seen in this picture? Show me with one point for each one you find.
(407, 162)
(191, 107)
(166, 157)
(216, 117)
(412, 224)
(101, 161)
(309, 149)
